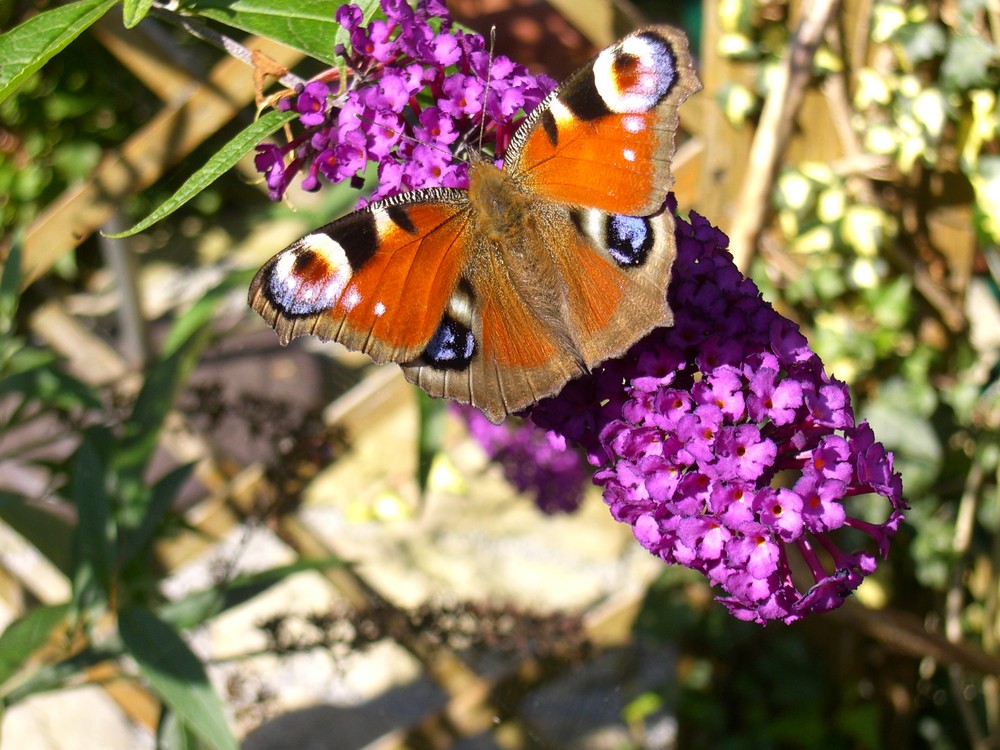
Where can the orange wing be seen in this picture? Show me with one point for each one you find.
(605, 137)
(377, 280)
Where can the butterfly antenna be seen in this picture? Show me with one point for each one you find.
(486, 89)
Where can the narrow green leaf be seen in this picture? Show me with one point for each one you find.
(199, 606)
(33, 375)
(49, 677)
(134, 11)
(95, 533)
(161, 499)
(176, 675)
(26, 48)
(193, 321)
(430, 438)
(50, 534)
(218, 165)
(26, 635)
(306, 25)
(174, 734)
(10, 286)
(164, 378)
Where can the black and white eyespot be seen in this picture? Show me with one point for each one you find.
(628, 239)
(636, 74)
(310, 276)
(452, 346)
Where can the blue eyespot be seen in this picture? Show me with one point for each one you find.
(451, 347)
(629, 239)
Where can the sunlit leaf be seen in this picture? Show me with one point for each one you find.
(305, 25)
(26, 635)
(161, 499)
(134, 11)
(26, 48)
(51, 535)
(220, 163)
(176, 675)
(968, 62)
(921, 41)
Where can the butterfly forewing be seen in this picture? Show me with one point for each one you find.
(377, 281)
(605, 137)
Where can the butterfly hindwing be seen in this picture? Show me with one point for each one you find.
(618, 266)
(494, 349)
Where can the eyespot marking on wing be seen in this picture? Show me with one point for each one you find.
(636, 74)
(628, 239)
(452, 346)
(310, 276)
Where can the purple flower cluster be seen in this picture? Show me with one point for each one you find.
(726, 447)
(415, 95)
(534, 461)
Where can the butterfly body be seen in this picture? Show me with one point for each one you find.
(499, 294)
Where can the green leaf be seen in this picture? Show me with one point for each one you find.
(218, 165)
(26, 48)
(921, 41)
(10, 286)
(199, 606)
(49, 533)
(134, 11)
(26, 635)
(430, 438)
(967, 63)
(192, 322)
(176, 675)
(95, 530)
(161, 499)
(165, 376)
(33, 375)
(306, 25)
(49, 676)
(174, 734)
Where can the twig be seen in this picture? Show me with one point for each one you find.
(991, 685)
(226, 43)
(954, 600)
(775, 128)
(118, 257)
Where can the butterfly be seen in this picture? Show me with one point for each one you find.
(498, 295)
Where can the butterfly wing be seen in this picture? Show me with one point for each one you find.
(545, 301)
(377, 280)
(458, 299)
(493, 349)
(605, 137)
(616, 271)
(597, 154)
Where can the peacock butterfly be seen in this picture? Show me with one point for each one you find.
(498, 295)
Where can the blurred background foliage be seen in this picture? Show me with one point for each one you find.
(880, 237)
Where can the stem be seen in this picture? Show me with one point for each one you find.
(226, 43)
(775, 129)
(954, 600)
